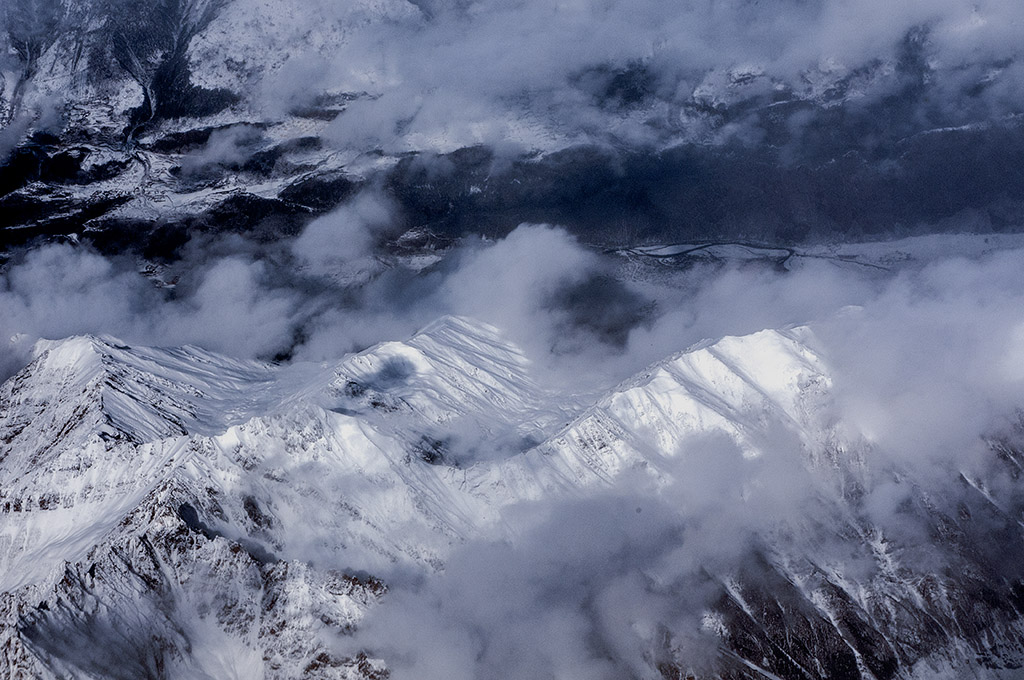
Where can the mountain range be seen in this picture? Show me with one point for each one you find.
(176, 513)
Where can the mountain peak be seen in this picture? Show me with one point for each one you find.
(177, 475)
(79, 355)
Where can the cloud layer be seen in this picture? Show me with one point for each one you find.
(530, 73)
(925, 357)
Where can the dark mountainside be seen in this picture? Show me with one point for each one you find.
(805, 169)
(170, 511)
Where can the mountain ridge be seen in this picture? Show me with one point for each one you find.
(242, 499)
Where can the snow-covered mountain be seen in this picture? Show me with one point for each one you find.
(289, 180)
(175, 513)
(141, 125)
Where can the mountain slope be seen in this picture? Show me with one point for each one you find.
(140, 127)
(205, 517)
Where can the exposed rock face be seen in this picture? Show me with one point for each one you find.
(177, 513)
(140, 126)
(174, 513)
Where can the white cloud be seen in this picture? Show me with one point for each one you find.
(924, 363)
(459, 73)
(351, 232)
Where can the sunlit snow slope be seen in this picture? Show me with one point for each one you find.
(175, 513)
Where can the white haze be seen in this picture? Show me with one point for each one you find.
(948, 327)
(926, 360)
(944, 328)
(226, 147)
(236, 298)
(589, 587)
(532, 73)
